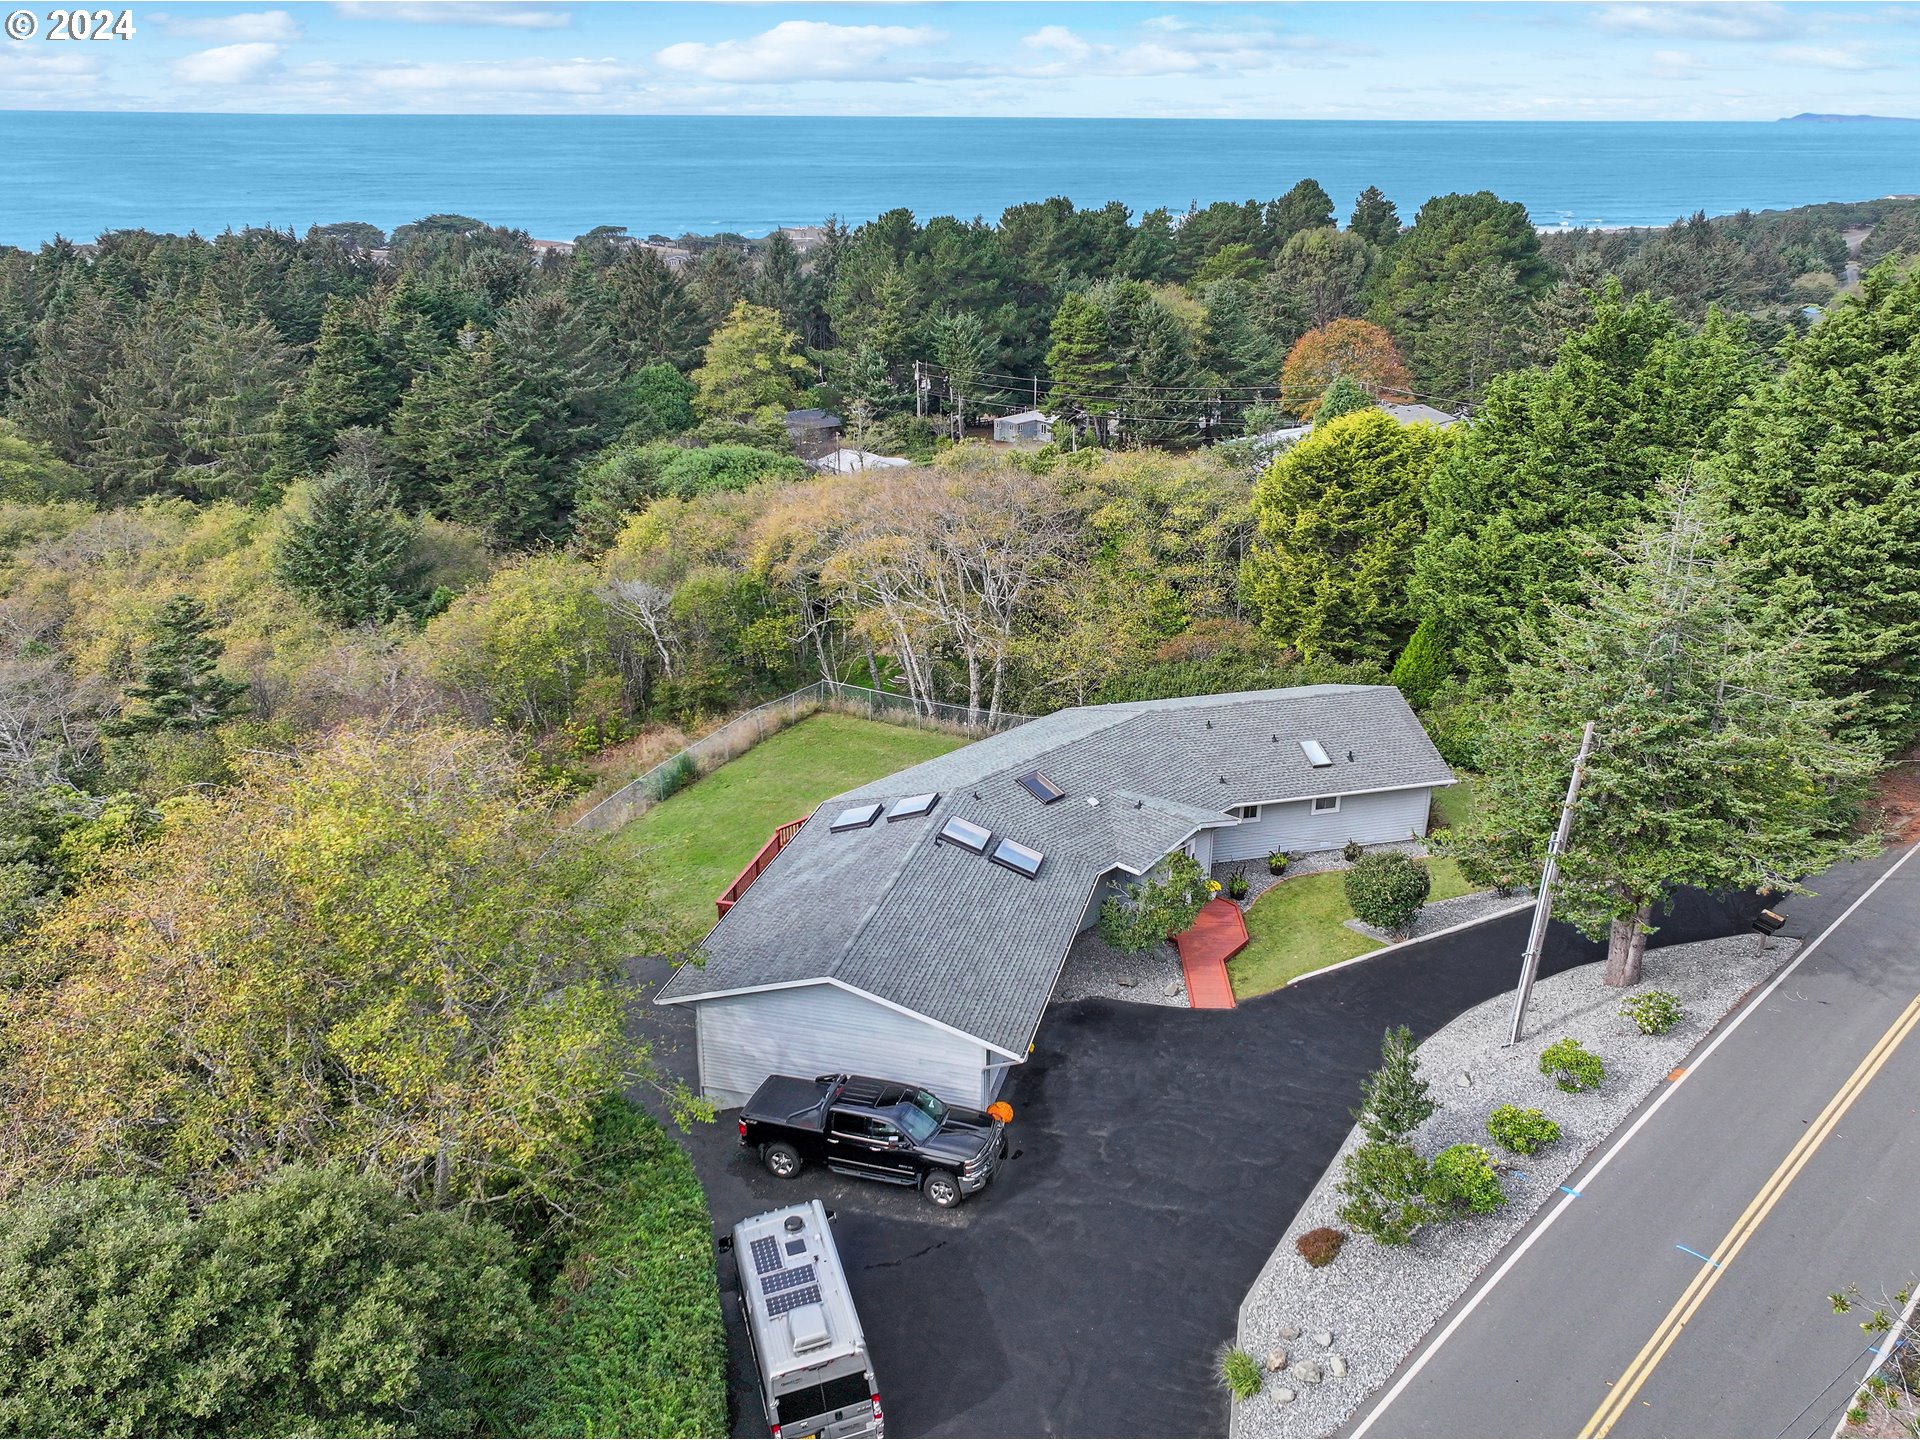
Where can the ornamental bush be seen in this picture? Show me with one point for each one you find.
(1521, 1131)
(1385, 1185)
(1351, 852)
(1386, 890)
(1162, 904)
(1394, 1098)
(1461, 1177)
(1653, 1012)
(1320, 1246)
(1277, 863)
(1572, 1066)
(1240, 1373)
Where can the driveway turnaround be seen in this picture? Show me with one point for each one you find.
(1682, 1291)
(1158, 1155)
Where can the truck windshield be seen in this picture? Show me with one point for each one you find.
(928, 1105)
(916, 1124)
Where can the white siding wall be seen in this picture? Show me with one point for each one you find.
(822, 1029)
(1370, 819)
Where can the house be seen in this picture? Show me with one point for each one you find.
(551, 249)
(1027, 426)
(1421, 415)
(813, 432)
(845, 462)
(915, 927)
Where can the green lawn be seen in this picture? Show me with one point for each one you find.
(1454, 804)
(695, 842)
(1299, 926)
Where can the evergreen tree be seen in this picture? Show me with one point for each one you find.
(563, 387)
(1344, 396)
(1305, 207)
(657, 402)
(180, 686)
(1715, 762)
(29, 471)
(1165, 394)
(1321, 276)
(655, 320)
(865, 389)
(1561, 457)
(1340, 514)
(1423, 666)
(1823, 467)
(1150, 250)
(1394, 1099)
(1080, 363)
(1233, 345)
(965, 351)
(1375, 219)
(778, 283)
(753, 373)
(347, 556)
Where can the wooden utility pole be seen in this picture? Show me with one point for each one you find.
(919, 393)
(1543, 902)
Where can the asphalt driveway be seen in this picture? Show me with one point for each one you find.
(1158, 1154)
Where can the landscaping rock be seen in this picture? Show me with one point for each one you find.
(1282, 1394)
(1308, 1373)
(1463, 1080)
(1336, 1366)
(1277, 1360)
(1322, 1339)
(1289, 1332)
(1127, 982)
(1173, 987)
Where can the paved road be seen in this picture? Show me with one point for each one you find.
(1552, 1348)
(1161, 1153)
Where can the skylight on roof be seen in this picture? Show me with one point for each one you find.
(965, 834)
(1037, 784)
(1316, 754)
(856, 817)
(1017, 858)
(912, 806)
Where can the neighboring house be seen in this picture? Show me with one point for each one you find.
(845, 462)
(813, 432)
(914, 928)
(551, 249)
(1421, 415)
(1027, 426)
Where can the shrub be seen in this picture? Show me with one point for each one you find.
(1352, 851)
(1521, 1131)
(632, 1343)
(675, 775)
(1653, 1012)
(1387, 890)
(1237, 886)
(1240, 1373)
(1385, 1186)
(1322, 1246)
(1422, 667)
(1394, 1098)
(1162, 904)
(1277, 863)
(1461, 1177)
(1572, 1066)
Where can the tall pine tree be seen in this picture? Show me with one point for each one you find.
(347, 555)
(180, 685)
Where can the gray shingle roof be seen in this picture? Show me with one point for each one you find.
(939, 931)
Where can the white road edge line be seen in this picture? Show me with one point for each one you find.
(1881, 1354)
(1554, 1214)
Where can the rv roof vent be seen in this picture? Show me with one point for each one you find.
(1316, 754)
(808, 1327)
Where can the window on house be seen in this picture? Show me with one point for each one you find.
(1245, 812)
(1326, 804)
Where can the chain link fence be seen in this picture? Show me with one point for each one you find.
(747, 730)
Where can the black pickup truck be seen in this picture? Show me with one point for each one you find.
(876, 1129)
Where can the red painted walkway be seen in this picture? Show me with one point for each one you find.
(1218, 931)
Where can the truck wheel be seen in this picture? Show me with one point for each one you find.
(941, 1188)
(782, 1159)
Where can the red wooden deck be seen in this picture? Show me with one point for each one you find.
(1217, 932)
(759, 862)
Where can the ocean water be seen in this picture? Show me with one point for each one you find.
(79, 174)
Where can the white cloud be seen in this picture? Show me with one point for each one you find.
(801, 50)
(42, 75)
(227, 64)
(1700, 22)
(248, 25)
(1675, 64)
(1829, 57)
(458, 12)
(1173, 47)
(488, 80)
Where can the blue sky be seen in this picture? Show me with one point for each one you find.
(1636, 60)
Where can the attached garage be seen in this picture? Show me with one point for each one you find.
(823, 1028)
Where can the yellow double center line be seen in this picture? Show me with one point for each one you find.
(1628, 1386)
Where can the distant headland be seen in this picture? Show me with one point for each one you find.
(1810, 118)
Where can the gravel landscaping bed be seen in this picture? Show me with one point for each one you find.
(1374, 1303)
(1153, 977)
(1440, 914)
